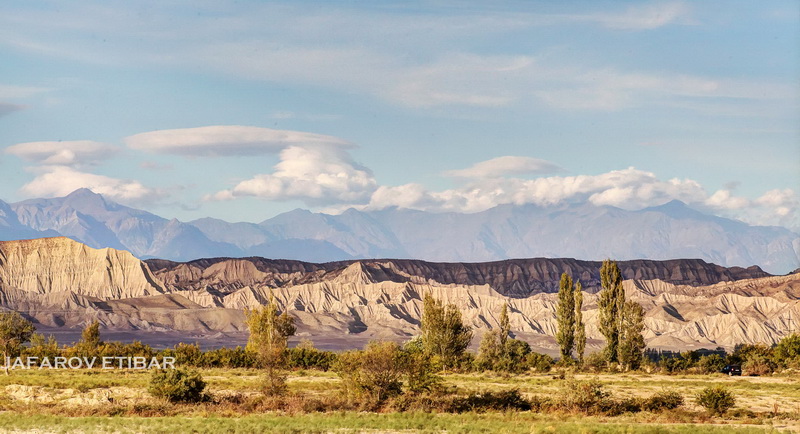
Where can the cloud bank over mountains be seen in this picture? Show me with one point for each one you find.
(321, 172)
(586, 231)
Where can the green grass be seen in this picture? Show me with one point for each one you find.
(140, 413)
(353, 422)
(81, 379)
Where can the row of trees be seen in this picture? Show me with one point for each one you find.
(621, 321)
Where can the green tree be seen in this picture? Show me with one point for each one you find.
(580, 327)
(505, 327)
(43, 347)
(419, 370)
(631, 341)
(565, 317)
(90, 343)
(610, 304)
(269, 333)
(787, 353)
(91, 334)
(711, 363)
(500, 352)
(444, 335)
(15, 331)
(488, 351)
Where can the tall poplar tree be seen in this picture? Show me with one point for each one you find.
(580, 327)
(631, 343)
(565, 316)
(505, 328)
(610, 305)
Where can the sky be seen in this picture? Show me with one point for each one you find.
(243, 110)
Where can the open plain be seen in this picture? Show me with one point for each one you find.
(117, 401)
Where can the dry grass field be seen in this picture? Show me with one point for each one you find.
(117, 401)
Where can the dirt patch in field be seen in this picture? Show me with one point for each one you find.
(93, 397)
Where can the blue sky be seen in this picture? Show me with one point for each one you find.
(244, 110)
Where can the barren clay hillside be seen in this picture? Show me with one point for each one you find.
(514, 278)
(62, 284)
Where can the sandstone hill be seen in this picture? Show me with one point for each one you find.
(61, 283)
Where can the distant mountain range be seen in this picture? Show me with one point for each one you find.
(583, 231)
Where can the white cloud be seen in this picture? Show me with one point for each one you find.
(629, 188)
(316, 175)
(227, 140)
(57, 181)
(780, 207)
(641, 16)
(65, 153)
(724, 199)
(506, 166)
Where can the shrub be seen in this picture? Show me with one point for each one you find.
(716, 399)
(595, 362)
(758, 364)
(663, 401)
(420, 373)
(43, 348)
(177, 385)
(585, 396)
(489, 401)
(187, 354)
(229, 358)
(376, 371)
(539, 362)
(305, 356)
(787, 352)
(711, 363)
(614, 407)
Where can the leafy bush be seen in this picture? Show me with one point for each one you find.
(43, 348)
(305, 356)
(187, 354)
(488, 401)
(229, 358)
(539, 362)
(614, 407)
(376, 371)
(595, 362)
(420, 372)
(585, 396)
(177, 385)
(663, 401)
(758, 364)
(742, 353)
(787, 352)
(716, 399)
(711, 363)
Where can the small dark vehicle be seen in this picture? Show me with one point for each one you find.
(732, 370)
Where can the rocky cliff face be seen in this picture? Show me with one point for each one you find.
(514, 278)
(52, 265)
(61, 283)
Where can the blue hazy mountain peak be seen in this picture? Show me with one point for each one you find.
(670, 231)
